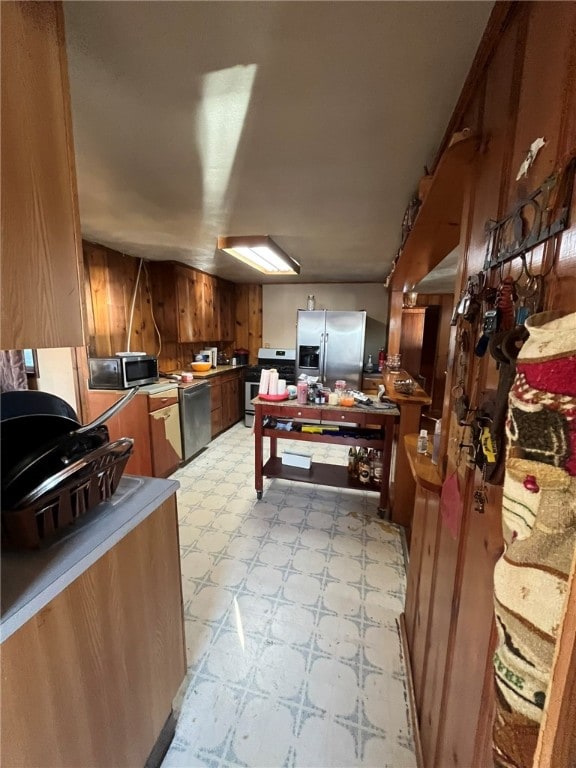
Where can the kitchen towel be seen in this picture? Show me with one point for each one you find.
(264, 382)
(273, 385)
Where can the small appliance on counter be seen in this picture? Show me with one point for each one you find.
(241, 355)
(212, 353)
(123, 371)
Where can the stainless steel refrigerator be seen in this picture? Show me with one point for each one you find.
(330, 345)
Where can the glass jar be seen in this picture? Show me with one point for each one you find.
(310, 302)
(394, 363)
(302, 392)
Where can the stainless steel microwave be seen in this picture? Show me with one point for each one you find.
(122, 371)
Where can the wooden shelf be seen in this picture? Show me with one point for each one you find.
(436, 230)
(311, 437)
(424, 472)
(332, 475)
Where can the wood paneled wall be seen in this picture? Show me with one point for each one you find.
(523, 86)
(109, 290)
(249, 318)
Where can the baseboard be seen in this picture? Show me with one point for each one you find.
(162, 744)
(411, 694)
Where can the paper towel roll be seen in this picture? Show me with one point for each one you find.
(264, 382)
(281, 386)
(273, 385)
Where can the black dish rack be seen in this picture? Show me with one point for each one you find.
(50, 508)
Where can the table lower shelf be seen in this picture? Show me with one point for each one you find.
(333, 475)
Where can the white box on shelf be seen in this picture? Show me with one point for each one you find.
(302, 460)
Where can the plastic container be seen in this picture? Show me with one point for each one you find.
(302, 392)
(347, 399)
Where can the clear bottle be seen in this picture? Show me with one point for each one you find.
(310, 302)
(378, 467)
(422, 444)
(436, 441)
(369, 365)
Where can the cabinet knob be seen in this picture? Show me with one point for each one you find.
(299, 413)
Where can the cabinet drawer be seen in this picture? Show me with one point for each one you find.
(349, 418)
(162, 399)
(298, 412)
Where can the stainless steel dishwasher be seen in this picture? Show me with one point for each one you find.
(195, 418)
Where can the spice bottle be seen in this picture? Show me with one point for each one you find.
(422, 444)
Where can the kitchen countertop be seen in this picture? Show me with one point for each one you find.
(164, 384)
(351, 409)
(217, 371)
(32, 578)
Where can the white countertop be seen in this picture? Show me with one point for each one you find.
(32, 578)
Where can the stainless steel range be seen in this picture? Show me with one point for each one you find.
(284, 360)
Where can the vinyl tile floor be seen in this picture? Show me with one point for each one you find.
(291, 608)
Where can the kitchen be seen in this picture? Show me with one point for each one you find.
(454, 595)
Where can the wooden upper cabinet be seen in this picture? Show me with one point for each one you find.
(225, 310)
(205, 323)
(41, 243)
(418, 342)
(191, 306)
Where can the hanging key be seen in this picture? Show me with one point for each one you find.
(479, 500)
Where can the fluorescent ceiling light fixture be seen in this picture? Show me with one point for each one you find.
(260, 252)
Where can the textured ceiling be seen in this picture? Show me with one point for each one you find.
(307, 121)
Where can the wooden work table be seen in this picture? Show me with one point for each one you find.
(375, 429)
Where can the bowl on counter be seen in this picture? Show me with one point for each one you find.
(201, 366)
(405, 386)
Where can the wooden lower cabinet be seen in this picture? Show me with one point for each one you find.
(226, 408)
(89, 681)
(152, 421)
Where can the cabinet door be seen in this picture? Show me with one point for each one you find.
(131, 421)
(41, 244)
(165, 440)
(419, 336)
(204, 320)
(230, 400)
(216, 406)
(186, 286)
(225, 311)
(117, 629)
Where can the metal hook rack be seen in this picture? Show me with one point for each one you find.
(529, 223)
